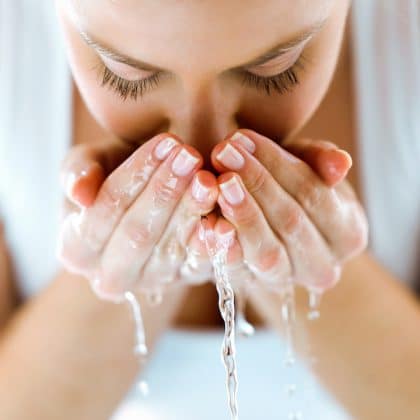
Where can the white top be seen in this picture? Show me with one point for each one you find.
(35, 133)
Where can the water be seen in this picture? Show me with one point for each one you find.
(314, 302)
(288, 314)
(218, 254)
(312, 315)
(140, 346)
(295, 415)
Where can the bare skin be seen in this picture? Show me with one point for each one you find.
(372, 384)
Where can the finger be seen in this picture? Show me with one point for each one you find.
(237, 270)
(338, 219)
(310, 258)
(325, 158)
(145, 221)
(170, 251)
(86, 166)
(96, 223)
(264, 253)
(197, 267)
(84, 234)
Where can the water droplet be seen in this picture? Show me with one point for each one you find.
(154, 298)
(291, 389)
(289, 361)
(140, 349)
(313, 315)
(245, 329)
(143, 388)
(314, 303)
(295, 415)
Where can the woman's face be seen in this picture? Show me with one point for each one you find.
(202, 68)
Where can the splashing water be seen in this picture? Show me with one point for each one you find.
(218, 254)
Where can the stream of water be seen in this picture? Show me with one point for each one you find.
(218, 253)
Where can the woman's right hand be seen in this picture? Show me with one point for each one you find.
(131, 230)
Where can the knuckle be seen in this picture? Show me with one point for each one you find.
(165, 194)
(246, 217)
(292, 222)
(139, 235)
(271, 266)
(268, 260)
(171, 250)
(257, 182)
(110, 195)
(309, 193)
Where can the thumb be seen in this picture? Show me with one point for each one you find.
(329, 162)
(86, 166)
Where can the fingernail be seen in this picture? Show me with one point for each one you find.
(184, 163)
(164, 147)
(230, 157)
(232, 191)
(199, 191)
(244, 141)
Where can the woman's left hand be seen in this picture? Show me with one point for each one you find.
(295, 217)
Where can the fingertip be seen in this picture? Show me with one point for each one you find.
(213, 157)
(83, 188)
(336, 165)
(225, 177)
(224, 227)
(226, 234)
(204, 188)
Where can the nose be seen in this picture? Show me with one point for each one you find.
(205, 120)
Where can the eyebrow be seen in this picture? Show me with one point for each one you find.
(273, 52)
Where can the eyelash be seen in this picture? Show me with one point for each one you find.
(281, 83)
(126, 88)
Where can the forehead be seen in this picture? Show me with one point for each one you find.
(224, 31)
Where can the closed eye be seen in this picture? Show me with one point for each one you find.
(280, 83)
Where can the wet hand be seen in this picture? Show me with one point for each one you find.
(295, 216)
(128, 227)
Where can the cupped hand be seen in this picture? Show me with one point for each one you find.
(295, 217)
(128, 222)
